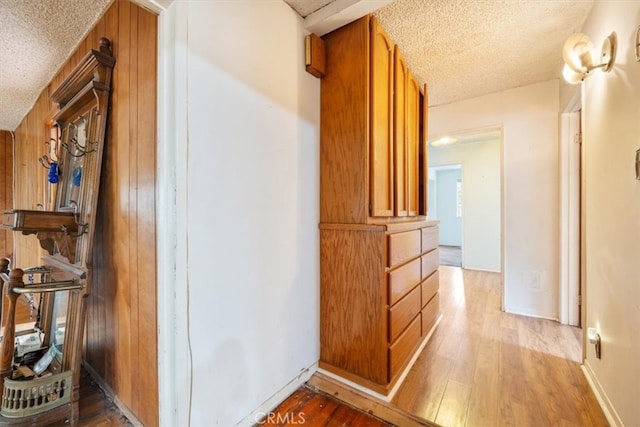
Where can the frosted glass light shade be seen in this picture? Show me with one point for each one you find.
(572, 76)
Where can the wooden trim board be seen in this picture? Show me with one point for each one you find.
(364, 402)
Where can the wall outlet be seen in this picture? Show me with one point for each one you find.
(534, 281)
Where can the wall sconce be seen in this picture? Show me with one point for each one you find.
(580, 58)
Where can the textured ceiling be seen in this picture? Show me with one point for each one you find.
(36, 38)
(460, 48)
(467, 48)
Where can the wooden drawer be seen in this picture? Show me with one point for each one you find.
(401, 314)
(430, 287)
(403, 279)
(430, 262)
(402, 349)
(429, 238)
(430, 314)
(402, 247)
(26, 220)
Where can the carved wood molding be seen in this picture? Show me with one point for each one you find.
(94, 70)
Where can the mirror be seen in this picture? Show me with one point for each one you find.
(76, 144)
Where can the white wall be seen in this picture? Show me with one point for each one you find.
(246, 171)
(529, 119)
(481, 199)
(611, 106)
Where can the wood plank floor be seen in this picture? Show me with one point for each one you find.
(96, 409)
(312, 408)
(483, 367)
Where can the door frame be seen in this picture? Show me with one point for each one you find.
(175, 370)
(570, 213)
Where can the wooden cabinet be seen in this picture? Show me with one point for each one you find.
(378, 299)
(370, 129)
(379, 256)
(406, 139)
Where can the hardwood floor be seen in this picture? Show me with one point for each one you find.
(483, 367)
(96, 410)
(313, 408)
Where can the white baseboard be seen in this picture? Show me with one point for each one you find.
(487, 270)
(405, 372)
(608, 409)
(268, 405)
(532, 313)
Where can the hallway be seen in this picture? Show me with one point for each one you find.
(483, 367)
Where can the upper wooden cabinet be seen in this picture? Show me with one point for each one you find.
(381, 126)
(372, 147)
(413, 124)
(400, 133)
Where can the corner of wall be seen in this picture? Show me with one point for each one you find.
(271, 403)
(606, 405)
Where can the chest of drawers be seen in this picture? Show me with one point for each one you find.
(379, 299)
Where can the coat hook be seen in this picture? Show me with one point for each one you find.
(45, 162)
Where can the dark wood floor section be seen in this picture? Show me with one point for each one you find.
(96, 409)
(312, 408)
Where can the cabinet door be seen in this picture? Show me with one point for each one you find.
(412, 135)
(381, 124)
(423, 153)
(400, 133)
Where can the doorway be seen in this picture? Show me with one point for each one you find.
(446, 189)
(470, 211)
(571, 214)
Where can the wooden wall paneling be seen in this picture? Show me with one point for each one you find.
(30, 176)
(100, 301)
(6, 198)
(105, 316)
(146, 169)
(122, 209)
(131, 313)
(6, 190)
(42, 136)
(100, 334)
(133, 196)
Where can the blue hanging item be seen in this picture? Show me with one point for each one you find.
(77, 176)
(53, 173)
